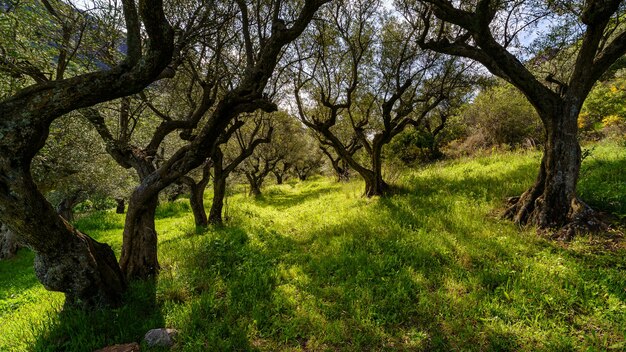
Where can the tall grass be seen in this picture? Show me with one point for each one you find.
(314, 266)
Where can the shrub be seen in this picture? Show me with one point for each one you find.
(413, 146)
(501, 115)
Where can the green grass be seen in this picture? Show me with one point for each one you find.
(314, 266)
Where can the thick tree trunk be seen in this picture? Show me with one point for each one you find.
(219, 192)
(255, 185)
(375, 186)
(342, 171)
(66, 208)
(196, 194)
(121, 206)
(196, 200)
(374, 183)
(551, 203)
(255, 190)
(8, 243)
(66, 260)
(139, 248)
(279, 178)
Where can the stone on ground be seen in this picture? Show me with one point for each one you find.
(160, 337)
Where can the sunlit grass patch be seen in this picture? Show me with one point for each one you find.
(315, 266)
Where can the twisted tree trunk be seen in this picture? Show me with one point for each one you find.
(374, 183)
(552, 202)
(279, 178)
(196, 200)
(196, 196)
(139, 248)
(66, 207)
(66, 260)
(219, 192)
(121, 206)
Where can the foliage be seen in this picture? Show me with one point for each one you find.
(315, 266)
(412, 146)
(289, 146)
(49, 42)
(73, 164)
(605, 107)
(501, 115)
(366, 79)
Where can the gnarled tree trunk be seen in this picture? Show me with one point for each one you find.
(196, 194)
(196, 200)
(255, 190)
(66, 207)
(374, 183)
(552, 201)
(279, 178)
(121, 206)
(375, 187)
(255, 183)
(219, 192)
(66, 260)
(139, 248)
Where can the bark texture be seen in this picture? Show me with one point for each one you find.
(552, 203)
(66, 207)
(67, 260)
(196, 194)
(139, 247)
(217, 207)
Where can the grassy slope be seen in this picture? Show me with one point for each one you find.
(313, 266)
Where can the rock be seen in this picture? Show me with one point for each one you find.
(128, 347)
(160, 337)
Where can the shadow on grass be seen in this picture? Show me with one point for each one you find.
(362, 290)
(78, 330)
(233, 283)
(602, 185)
(17, 274)
(418, 272)
(282, 199)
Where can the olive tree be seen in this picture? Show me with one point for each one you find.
(232, 152)
(365, 69)
(282, 143)
(586, 37)
(256, 36)
(67, 260)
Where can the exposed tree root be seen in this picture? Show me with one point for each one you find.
(581, 220)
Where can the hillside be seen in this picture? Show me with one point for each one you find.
(315, 266)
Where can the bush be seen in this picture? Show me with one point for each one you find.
(499, 116)
(413, 146)
(614, 127)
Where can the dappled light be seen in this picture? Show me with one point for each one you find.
(312, 175)
(315, 266)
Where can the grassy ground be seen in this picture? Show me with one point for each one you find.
(314, 266)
